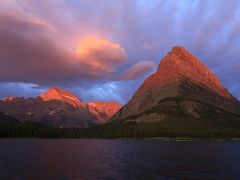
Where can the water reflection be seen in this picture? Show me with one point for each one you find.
(117, 159)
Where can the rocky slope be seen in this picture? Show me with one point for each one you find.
(7, 119)
(182, 88)
(61, 95)
(103, 110)
(59, 108)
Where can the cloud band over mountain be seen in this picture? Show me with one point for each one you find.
(88, 45)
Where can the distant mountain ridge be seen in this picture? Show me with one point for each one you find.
(183, 90)
(59, 108)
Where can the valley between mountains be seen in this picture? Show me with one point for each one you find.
(183, 98)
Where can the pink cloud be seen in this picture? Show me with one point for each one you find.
(100, 54)
(23, 23)
(138, 70)
(29, 53)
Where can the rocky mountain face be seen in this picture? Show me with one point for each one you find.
(7, 119)
(103, 110)
(59, 108)
(182, 87)
(62, 96)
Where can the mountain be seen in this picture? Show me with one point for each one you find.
(182, 95)
(7, 119)
(103, 110)
(59, 108)
(61, 95)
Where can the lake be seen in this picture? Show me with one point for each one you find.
(117, 159)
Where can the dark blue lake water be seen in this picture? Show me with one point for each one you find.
(118, 159)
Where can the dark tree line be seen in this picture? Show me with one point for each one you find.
(186, 127)
(111, 131)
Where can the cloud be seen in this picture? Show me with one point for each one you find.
(149, 46)
(29, 53)
(19, 90)
(24, 24)
(138, 70)
(39, 41)
(113, 90)
(99, 54)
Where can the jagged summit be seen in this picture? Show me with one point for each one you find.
(181, 65)
(56, 93)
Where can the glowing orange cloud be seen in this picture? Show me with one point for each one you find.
(100, 54)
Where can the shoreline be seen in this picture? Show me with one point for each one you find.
(164, 139)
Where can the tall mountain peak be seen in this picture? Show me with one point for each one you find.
(180, 56)
(56, 93)
(185, 83)
(181, 65)
(179, 49)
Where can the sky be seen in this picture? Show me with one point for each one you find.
(104, 49)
